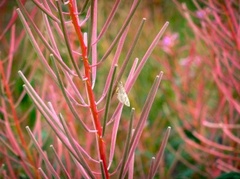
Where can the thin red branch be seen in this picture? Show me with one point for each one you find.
(9, 95)
(15, 117)
(93, 105)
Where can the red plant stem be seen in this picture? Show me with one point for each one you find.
(93, 106)
(15, 117)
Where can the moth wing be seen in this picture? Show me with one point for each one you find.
(122, 95)
(123, 98)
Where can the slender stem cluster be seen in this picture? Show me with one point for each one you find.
(65, 105)
(91, 97)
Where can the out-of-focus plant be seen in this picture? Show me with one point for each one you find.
(205, 80)
(15, 107)
(77, 100)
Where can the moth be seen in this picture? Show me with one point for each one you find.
(122, 95)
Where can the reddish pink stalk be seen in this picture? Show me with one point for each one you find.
(93, 106)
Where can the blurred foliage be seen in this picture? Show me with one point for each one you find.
(230, 175)
(156, 12)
